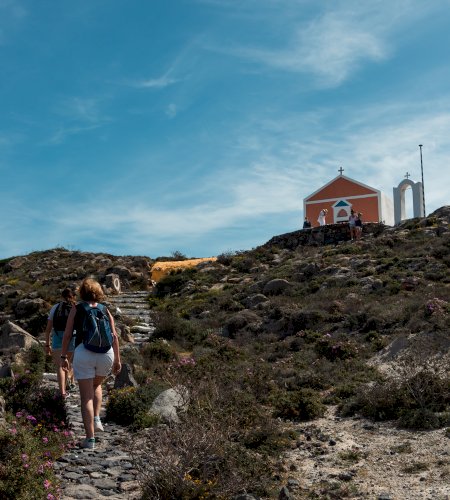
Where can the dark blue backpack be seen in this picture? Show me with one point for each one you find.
(60, 316)
(97, 332)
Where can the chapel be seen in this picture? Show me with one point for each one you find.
(342, 194)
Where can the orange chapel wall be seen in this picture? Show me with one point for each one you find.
(341, 188)
(367, 206)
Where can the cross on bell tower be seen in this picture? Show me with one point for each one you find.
(340, 170)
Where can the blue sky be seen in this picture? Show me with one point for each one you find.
(144, 127)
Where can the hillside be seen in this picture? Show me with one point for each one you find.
(324, 363)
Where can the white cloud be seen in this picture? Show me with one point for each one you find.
(155, 83)
(171, 110)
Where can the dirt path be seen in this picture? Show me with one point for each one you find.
(355, 458)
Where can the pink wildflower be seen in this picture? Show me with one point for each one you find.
(45, 440)
(13, 431)
(47, 484)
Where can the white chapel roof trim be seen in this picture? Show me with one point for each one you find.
(346, 178)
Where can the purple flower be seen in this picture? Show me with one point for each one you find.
(45, 440)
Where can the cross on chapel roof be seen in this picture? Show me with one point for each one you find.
(340, 170)
(407, 175)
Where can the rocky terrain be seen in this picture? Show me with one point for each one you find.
(346, 342)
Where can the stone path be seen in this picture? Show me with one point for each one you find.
(107, 471)
(135, 306)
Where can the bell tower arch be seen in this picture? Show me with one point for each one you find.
(399, 200)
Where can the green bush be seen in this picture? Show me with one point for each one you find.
(157, 350)
(334, 349)
(301, 405)
(27, 453)
(170, 327)
(129, 406)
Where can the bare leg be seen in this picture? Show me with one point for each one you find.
(69, 373)
(98, 394)
(87, 405)
(60, 373)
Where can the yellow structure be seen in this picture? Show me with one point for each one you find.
(161, 269)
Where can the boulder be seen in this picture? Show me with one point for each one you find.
(239, 321)
(112, 281)
(5, 369)
(253, 301)
(169, 403)
(15, 264)
(125, 378)
(276, 286)
(11, 335)
(122, 271)
(27, 307)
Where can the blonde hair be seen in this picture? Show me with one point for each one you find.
(91, 290)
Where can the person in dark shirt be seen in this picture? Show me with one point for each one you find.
(306, 223)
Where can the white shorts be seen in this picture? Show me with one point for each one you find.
(87, 364)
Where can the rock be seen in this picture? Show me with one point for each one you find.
(169, 402)
(384, 496)
(5, 369)
(239, 321)
(81, 492)
(15, 264)
(11, 335)
(27, 307)
(284, 494)
(125, 378)
(253, 301)
(244, 496)
(276, 286)
(112, 281)
(141, 329)
(121, 271)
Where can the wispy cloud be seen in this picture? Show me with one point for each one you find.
(79, 115)
(330, 46)
(155, 83)
(171, 110)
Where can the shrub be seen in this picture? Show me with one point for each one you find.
(170, 327)
(28, 449)
(129, 406)
(334, 349)
(210, 453)
(27, 395)
(157, 350)
(226, 258)
(301, 405)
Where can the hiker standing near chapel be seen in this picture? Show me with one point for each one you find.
(96, 353)
(321, 218)
(56, 324)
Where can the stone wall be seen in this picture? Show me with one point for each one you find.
(331, 234)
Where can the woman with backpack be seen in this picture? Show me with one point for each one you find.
(56, 324)
(96, 353)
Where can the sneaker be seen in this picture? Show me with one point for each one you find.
(98, 426)
(88, 443)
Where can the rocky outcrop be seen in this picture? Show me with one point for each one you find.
(11, 335)
(169, 403)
